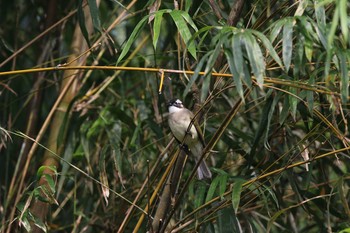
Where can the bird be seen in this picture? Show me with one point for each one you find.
(179, 120)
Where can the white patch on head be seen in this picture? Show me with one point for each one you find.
(173, 109)
(178, 101)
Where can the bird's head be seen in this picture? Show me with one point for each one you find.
(175, 105)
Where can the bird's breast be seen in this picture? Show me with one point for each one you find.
(179, 124)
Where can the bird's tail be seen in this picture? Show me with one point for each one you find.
(203, 170)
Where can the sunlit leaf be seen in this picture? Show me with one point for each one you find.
(287, 43)
(301, 7)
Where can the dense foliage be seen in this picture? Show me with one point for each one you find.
(84, 140)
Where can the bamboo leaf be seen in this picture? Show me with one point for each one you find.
(256, 59)
(208, 69)
(227, 221)
(272, 52)
(285, 110)
(236, 193)
(132, 38)
(196, 74)
(184, 31)
(189, 20)
(211, 191)
(287, 42)
(269, 119)
(344, 18)
(81, 20)
(343, 196)
(293, 101)
(344, 74)
(301, 7)
(103, 175)
(200, 193)
(320, 14)
(310, 95)
(156, 27)
(262, 126)
(238, 58)
(235, 74)
(95, 14)
(222, 185)
(276, 29)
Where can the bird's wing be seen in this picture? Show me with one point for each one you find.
(199, 130)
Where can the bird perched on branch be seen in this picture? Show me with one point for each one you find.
(192, 139)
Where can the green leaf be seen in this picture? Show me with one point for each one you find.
(103, 174)
(212, 188)
(269, 119)
(132, 38)
(136, 135)
(25, 223)
(299, 61)
(285, 110)
(81, 20)
(50, 182)
(320, 14)
(276, 29)
(235, 74)
(236, 193)
(41, 169)
(256, 59)
(344, 18)
(227, 221)
(185, 33)
(237, 56)
(187, 17)
(37, 221)
(301, 7)
(222, 185)
(156, 27)
(196, 73)
(287, 43)
(310, 95)
(208, 69)
(343, 193)
(94, 14)
(268, 47)
(121, 115)
(200, 193)
(344, 74)
(188, 4)
(262, 125)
